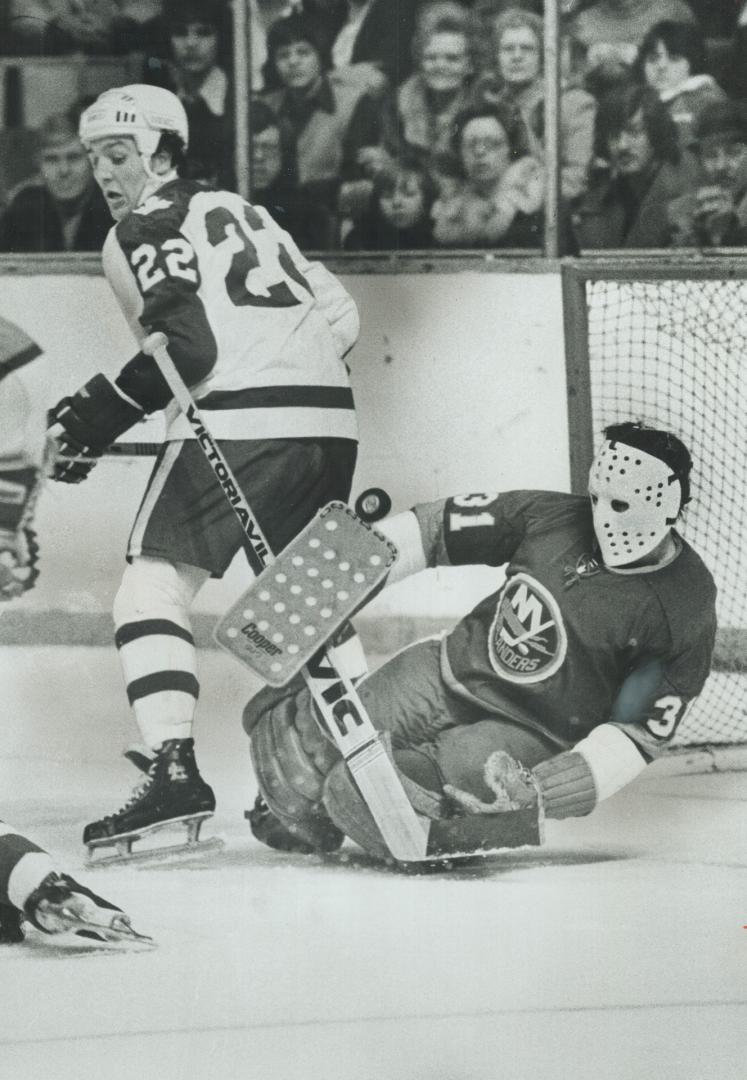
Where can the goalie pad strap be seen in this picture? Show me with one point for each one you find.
(566, 785)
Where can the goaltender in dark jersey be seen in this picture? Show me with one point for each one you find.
(567, 644)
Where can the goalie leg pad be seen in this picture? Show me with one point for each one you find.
(291, 758)
(347, 809)
(265, 700)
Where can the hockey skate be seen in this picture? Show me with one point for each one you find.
(172, 792)
(72, 914)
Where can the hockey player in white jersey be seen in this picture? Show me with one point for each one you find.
(259, 334)
(32, 888)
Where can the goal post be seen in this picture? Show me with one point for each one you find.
(664, 340)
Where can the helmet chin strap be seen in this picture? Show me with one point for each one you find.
(155, 180)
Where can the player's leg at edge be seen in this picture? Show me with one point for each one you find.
(158, 657)
(33, 893)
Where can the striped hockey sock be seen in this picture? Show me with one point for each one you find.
(159, 662)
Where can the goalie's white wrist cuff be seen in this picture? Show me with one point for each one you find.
(404, 532)
(613, 759)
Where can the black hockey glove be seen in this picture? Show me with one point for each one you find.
(84, 424)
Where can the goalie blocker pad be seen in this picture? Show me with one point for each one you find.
(303, 597)
(485, 834)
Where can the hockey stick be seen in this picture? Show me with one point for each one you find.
(346, 720)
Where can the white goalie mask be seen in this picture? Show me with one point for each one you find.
(144, 113)
(636, 498)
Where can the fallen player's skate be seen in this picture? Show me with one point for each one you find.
(73, 915)
(172, 793)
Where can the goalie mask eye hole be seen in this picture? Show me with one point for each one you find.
(619, 506)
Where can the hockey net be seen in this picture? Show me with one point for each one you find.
(667, 344)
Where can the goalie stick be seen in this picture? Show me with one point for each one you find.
(345, 717)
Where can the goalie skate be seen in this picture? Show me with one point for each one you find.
(306, 594)
(172, 793)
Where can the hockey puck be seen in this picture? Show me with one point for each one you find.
(372, 505)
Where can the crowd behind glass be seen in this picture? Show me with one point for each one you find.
(398, 125)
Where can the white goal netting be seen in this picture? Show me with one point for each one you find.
(674, 353)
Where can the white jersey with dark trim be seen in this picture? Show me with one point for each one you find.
(236, 297)
(23, 866)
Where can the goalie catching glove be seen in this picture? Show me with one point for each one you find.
(85, 424)
(562, 786)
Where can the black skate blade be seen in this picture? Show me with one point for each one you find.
(124, 854)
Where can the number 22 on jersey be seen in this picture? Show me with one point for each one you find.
(259, 271)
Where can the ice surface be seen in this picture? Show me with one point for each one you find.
(616, 952)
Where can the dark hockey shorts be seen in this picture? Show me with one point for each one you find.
(185, 517)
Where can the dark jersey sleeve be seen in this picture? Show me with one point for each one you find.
(485, 529)
(166, 269)
(656, 694)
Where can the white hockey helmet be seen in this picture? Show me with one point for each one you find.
(636, 499)
(143, 112)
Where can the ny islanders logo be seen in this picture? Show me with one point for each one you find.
(527, 641)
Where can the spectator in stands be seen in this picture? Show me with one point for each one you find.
(377, 33)
(484, 14)
(496, 197)
(430, 12)
(261, 14)
(399, 217)
(672, 61)
(294, 208)
(714, 213)
(517, 81)
(140, 28)
(65, 26)
(613, 31)
(642, 168)
(193, 72)
(329, 115)
(735, 78)
(62, 208)
(430, 99)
